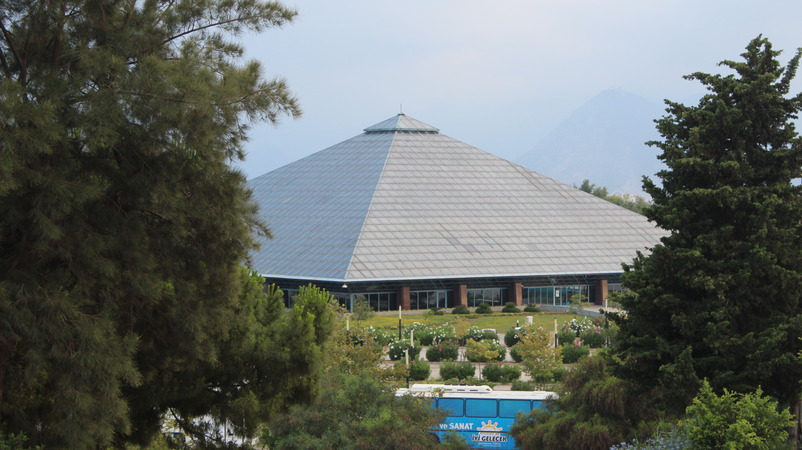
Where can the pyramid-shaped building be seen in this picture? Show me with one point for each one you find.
(405, 216)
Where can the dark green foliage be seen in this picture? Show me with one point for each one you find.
(515, 354)
(741, 421)
(573, 353)
(448, 350)
(594, 411)
(419, 370)
(15, 442)
(244, 387)
(720, 297)
(532, 309)
(470, 381)
(511, 337)
(499, 373)
(458, 370)
(510, 307)
(460, 309)
(518, 385)
(483, 308)
(353, 412)
(398, 350)
(123, 224)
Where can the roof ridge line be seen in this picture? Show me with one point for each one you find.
(370, 206)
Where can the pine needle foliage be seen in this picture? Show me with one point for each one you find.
(721, 296)
(595, 410)
(123, 225)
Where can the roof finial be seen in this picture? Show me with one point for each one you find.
(401, 109)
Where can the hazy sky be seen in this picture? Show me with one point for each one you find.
(496, 75)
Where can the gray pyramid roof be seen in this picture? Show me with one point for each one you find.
(402, 201)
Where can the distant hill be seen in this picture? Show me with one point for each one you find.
(602, 141)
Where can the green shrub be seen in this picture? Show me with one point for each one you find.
(518, 385)
(532, 309)
(458, 370)
(559, 373)
(484, 351)
(541, 378)
(566, 337)
(427, 335)
(382, 336)
(436, 311)
(15, 442)
(483, 308)
(510, 307)
(573, 353)
(419, 370)
(511, 337)
(460, 309)
(361, 309)
(498, 373)
(472, 334)
(448, 350)
(515, 354)
(398, 349)
(489, 335)
(736, 420)
(470, 381)
(593, 337)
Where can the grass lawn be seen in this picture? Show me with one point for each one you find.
(501, 322)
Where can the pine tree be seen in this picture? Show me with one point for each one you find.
(721, 296)
(123, 226)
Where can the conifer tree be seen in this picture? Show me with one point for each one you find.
(721, 297)
(122, 224)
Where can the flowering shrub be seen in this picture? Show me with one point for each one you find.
(399, 348)
(382, 336)
(593, 337)
(431, 335)
(447, 350)
(473, 334)
(577, 325)
(511, 337)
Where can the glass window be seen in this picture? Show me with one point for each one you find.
(428, 299)
(453, 406)
(509, 408)
(480, 407)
